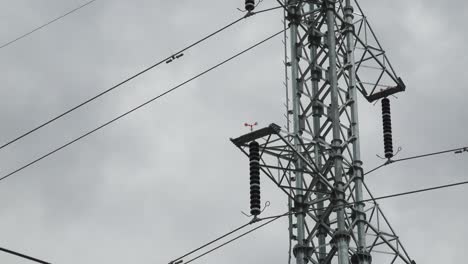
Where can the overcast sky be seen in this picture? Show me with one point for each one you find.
(167, 179)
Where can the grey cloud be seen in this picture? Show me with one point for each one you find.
(167, 179)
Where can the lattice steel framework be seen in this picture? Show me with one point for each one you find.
(315, 159)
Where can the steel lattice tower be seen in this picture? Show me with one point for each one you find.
(315, 159)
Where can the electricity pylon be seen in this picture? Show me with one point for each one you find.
(315, 159)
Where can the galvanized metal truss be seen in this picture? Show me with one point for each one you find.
(278, 156)
(315, 159)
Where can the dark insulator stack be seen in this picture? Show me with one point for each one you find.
(249, 5)
(387, 128)
(254, 156)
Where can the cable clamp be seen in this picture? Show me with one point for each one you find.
(461, 151)
(174, 57)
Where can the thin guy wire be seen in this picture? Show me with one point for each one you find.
(23, 256)
(234, 239)
(138, 107)
(46, 24)
(131, 78)
(415, 157)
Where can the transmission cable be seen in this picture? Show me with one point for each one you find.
(257, 220)
(415, 191)
(235, 238)
(167, 60)
(374, 199)
(47, 24)
(274, 218)
(456, 151)
(209, 243)
(23, 256)
(139, 106)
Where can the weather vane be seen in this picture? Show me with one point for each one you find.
(251, 125)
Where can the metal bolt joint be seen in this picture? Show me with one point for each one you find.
(347, 66)
(358, 164)
(357, 169)
(337, 196)
(317, 110)
(300, 206)
(358, 215)
(336, 143)
(293, 17)
(348, 12)
(316, 73)
(339, 236)
(330, 5)
(336, 156)
(347, 27)
(314, 39)
(304, 249)
(361, 257)
(348, 9)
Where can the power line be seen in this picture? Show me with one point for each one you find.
(274, 218)
(140, 106)
(209, 243)
(236, 238)
(416, 191)
(373, 199)
(264, 10)
(23, 256)
(167, 60)
(456, 151)
(376, 168)
(46, 24)
(432, 154)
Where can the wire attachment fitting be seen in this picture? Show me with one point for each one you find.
(389, 160)
(460, 151)
(250, 5)
(174, 57)
(267, 204)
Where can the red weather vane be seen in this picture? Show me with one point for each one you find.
(251, 125)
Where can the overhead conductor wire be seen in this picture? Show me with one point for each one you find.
(235, 238)
(209, 243)
(257, 220)
(179, 260)
(456, 150)
(23, 256)
(139, 106)
(373, 199)
(167, 59)
(46, 24)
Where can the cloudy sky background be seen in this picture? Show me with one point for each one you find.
(166, 179)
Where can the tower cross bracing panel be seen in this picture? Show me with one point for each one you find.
(334, 55)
